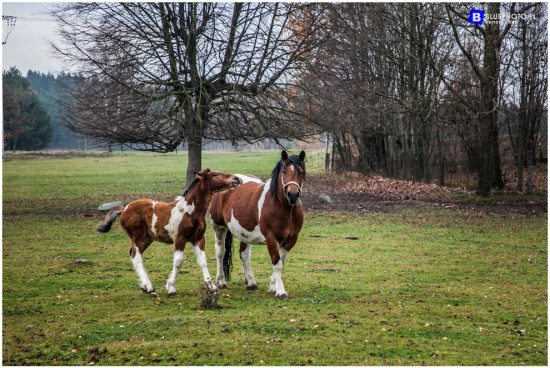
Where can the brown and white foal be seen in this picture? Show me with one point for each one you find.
(179, 222)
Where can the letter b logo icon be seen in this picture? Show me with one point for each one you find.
(476, 16)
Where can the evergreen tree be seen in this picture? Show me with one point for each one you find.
(26, 123)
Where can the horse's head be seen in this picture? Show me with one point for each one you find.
(292, 173)
(215, 181)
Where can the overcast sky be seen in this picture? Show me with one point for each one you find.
(27, 45)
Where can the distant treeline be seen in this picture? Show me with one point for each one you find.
(31, 117)
(48, 86)
(44, 90)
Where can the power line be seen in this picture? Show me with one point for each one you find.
(36, 19)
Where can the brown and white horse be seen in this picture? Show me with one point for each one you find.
(260, 213)
(178, 223)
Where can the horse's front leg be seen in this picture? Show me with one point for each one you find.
(201, 260)
(179, 248)
(244, 253)
(276, 286)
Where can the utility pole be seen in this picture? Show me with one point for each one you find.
(10, 23)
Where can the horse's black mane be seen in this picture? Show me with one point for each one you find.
(190, 186)
(274, 186)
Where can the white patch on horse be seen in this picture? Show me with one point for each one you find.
(247, 269)
(201, 260)
(249, 237)
(291, 167)
(262, 199)
(171, 283)
(125, 208)
(220, 234)
(180, 209)
(144, 281)
(278, 280)
(248, 179)
(153, 222)
(154, 204)
(283, 253)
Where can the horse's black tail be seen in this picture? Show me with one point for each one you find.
(111, 216)
(228, 256)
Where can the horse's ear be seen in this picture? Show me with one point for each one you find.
(207, 169)
(302, 156)
(198, 174)
(284, 155)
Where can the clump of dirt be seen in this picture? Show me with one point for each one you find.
(208, 298)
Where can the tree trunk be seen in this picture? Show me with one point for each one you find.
(425, 153)
(490, 175)
(194, 161)
(522, 114)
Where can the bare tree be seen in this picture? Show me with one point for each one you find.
(525, 93)
(371, 85)
(407, 88)
(154, 75)
(486, 70)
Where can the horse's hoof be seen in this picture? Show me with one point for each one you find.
(211, 286)
(281, 296)
(223, 286)
(153, 293)
(252, 287)
(172, 295)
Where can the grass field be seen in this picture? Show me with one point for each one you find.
(411, 288)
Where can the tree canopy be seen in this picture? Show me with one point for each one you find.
(155, 75)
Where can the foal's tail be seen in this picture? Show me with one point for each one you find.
(228, 256)
(111, 216)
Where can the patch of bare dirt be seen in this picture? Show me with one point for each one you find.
(375, 194)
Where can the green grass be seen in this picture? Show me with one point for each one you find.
(436, 288)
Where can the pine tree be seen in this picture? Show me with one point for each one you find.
(26, 123)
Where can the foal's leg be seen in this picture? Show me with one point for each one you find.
(201, 260)
(244, 253)
(220, 234)
(136, 251)
(178, 260)
(276, 286)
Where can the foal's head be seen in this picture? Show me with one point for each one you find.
(290, 172)
(213, 181)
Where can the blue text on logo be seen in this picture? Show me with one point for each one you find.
(476, 16)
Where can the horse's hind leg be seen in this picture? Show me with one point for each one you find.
(244, 253)
(220, 234)
(136, 255)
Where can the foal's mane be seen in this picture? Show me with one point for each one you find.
(195, 180)
(274, 186)
(190, 186)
